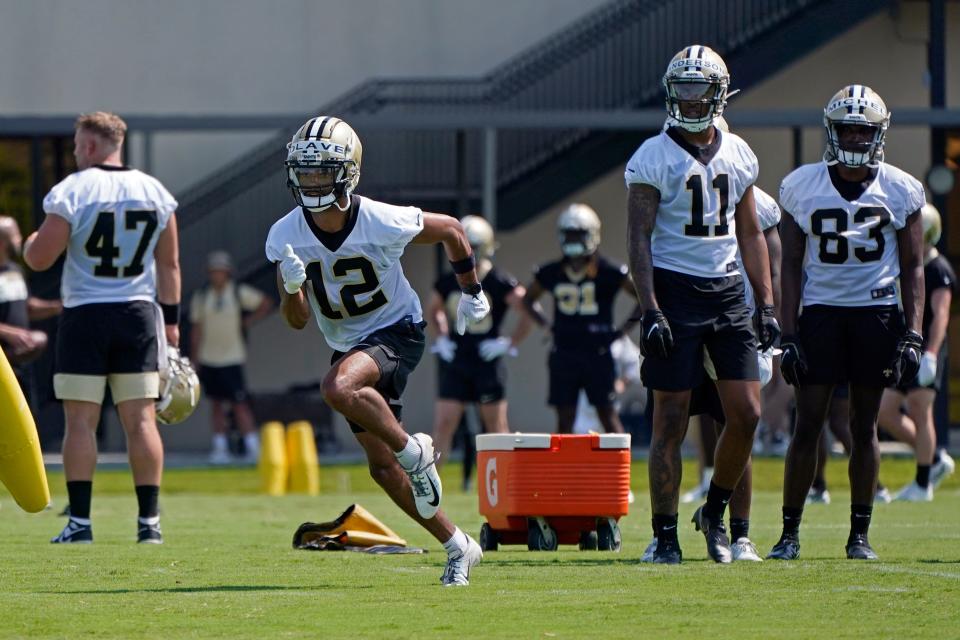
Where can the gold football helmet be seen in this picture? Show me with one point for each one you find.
(179, 389)
(323, 163)
(579, 231)
(696, 78)
(480, 236)
(860, 106)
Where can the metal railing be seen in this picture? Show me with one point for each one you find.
(612, 59)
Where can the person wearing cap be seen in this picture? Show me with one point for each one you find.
(20, 344)
(220, 314)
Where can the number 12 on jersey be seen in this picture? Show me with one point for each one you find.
(696, 227)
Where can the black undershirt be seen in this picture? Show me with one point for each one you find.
(703, 155)
(850, 191)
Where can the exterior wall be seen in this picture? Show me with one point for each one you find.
(245, 57)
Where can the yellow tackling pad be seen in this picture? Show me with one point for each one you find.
(21, 463)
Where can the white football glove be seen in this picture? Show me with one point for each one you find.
(495, 348)
(292, 270)
(928, 369)
(445, 348)
(471, 308)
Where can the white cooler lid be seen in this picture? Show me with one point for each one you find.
(513, 441)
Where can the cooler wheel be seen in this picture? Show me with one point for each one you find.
(608, 535)
(541, 536)
(489, 540)
(588, 541)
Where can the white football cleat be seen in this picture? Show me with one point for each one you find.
(424, 479)
(817, 497)
(943, 468)
(457, 571)
(697, 494)
(915, 493)
(882, 496)
(219, 457)
(743, 550)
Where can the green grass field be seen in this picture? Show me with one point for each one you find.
(227, 570)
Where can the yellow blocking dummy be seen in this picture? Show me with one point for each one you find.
(273, 459)
(360, 528)
(21, 463)
(302, 459)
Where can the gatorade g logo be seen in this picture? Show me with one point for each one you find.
(493, 490)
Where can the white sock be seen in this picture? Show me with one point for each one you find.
(252, 443)
(150, 520)
(84, 521)
(409, 456)
(457, 543)
(219, 442)
(707, 477)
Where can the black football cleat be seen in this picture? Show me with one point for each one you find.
(74, 533)
(149, 533)
(718, 545)
(788, 548)
(667, 552)
(858, 548)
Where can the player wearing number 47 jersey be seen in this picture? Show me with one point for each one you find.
(690, 206)
(119, 231)
(851, 225)
(338, 255)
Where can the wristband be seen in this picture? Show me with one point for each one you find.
(171, 313)
(472, 289)
(466, 265)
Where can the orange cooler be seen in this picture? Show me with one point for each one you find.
(548, 489)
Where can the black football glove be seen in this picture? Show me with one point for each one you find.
(905, 364)
(657, 340)
(793, 365)
(768, 329)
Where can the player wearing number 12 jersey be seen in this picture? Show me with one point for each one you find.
(851, 225)
(338, 256)
(118, 228)
(690, 206)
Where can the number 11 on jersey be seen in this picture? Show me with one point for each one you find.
(696, 227)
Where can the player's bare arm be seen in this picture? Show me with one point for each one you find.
(515, 300)
(436, 316)
(531, 305)
(293, 306)
(940, 306)
(635, 316)
(753, 248)
(775, 253)
(793, 246)
(167, 256)
(910, 248)
(643, 201)
(45, 245)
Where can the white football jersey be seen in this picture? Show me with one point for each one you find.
(768, 213)
(116, 215)
(355, 283)
(695, 231)
(851, 257)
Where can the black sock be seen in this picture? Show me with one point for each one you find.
(819, 485)
(860, 518)
(791, 521)
(653, 525)
(923, 475)
(147, 496)
(78, 492)
(739, 528)
(665, 527)
(717, 499)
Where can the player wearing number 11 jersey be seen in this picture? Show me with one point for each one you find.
(118, 228)
(851, 226)
(690, 206)
(338, 256)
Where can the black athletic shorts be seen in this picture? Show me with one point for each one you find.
(705, 400)
(226, 383)
(109, 337)
(702, 312)
(397, 350)
(591, 369)
(473, 381)
(849, 344)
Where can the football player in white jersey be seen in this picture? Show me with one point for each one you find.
(851, 225)
(690, 206)
(338, 254)
(119, 230)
